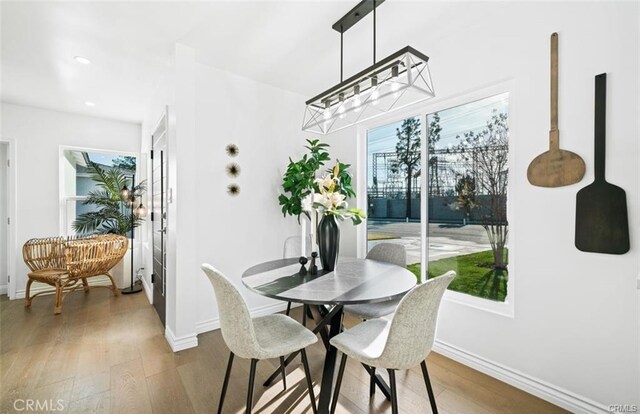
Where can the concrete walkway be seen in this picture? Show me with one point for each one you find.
(445, 240)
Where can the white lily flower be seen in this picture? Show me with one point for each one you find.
(338, 200)
(324, 182)
(324, 199)
(307, 203)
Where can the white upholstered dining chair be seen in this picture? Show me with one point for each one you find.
(384, 252)
(402, 343)
(272, 336)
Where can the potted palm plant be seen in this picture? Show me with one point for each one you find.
(117, 209)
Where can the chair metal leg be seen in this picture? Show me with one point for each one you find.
(225, 383)
(252, 377)
(427, 381)
(394, 391)
(307, 373)
(336, 391)
(372, 382)
(288, 308)
(85, 284)
(284, 372)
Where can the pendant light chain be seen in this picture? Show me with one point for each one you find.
(374, 32)
(341, 55)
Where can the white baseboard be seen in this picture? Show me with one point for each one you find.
(38, 287)
(542, 389)
(3, 289)
(214, 323)
(148, 289)
(180, 343)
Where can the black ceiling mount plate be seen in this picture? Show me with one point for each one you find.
(355, 15)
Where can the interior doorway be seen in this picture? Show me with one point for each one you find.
(159, 214)
(5, 240)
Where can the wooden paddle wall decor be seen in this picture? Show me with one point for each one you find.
(602, 225)
(556, 167)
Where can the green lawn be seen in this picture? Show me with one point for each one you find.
(475, 275)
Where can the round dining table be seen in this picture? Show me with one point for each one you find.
(353, 281)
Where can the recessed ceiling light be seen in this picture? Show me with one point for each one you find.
(89, 103)
(82, 60)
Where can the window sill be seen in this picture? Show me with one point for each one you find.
(499, 308)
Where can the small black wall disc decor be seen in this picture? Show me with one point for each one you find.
(233, 170)
(233, 190)
(602, 225)
(232, 150)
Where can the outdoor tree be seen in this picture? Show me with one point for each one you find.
(124, 163)
(466, 192)
(488, 152)
(433, 138)
(408, 154)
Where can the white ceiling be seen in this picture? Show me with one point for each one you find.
(286, 44)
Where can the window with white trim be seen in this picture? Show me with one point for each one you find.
(80, 183)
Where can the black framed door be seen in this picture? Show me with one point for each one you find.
(159, 215)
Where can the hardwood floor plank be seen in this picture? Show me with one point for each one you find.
(156, 355)
(129, 392)
(95, 404)
(167, 393)
(90, 385)
(61, 363)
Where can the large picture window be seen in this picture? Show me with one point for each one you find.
(466, 181)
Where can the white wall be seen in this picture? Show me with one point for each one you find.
(574, 334)
(231, 233)
(4, 213)
(38, 134)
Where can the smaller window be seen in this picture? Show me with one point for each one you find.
(93, 200)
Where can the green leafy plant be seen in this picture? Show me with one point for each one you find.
(299, 179)
(113, 214)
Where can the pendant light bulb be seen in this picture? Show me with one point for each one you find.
(341, 105)
(141, 211)
(124, 193)
(356, 98)
(327, 110)
(375, 94)
(394, 79)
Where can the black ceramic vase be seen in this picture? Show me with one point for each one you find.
(328, 241)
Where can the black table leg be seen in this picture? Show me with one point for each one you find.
(316, 314)
(329, 365)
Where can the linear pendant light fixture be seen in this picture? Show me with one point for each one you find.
(394, 82)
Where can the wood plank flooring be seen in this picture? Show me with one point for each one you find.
(108, 354)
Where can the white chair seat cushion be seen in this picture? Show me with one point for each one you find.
(280, 335)
(365, 341)
(373, 310)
